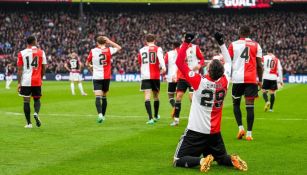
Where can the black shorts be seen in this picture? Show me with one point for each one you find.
(269, 84)
(28, 91)
(183, 85)
(171, 89)
(196, 144)
(154, 85)
(102, 85)
(249, 90)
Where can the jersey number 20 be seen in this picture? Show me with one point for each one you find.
(151, 57)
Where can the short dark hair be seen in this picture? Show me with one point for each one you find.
(100, 40)
(176, 44)
(216, 69)
(31, 40)
(245, 31)
(270, 50)
(150, 38)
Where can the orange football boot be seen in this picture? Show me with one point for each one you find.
(240, 135)
(206, 163)
(238, 163)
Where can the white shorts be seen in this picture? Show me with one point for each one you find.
(75, 76)
(9, 77)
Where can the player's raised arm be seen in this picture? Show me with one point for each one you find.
(192, 77)
(227, 66)
(113, 44)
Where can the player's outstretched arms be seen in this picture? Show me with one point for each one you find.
(192, 77)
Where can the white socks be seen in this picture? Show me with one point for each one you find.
(249, 133)
(81, 88)
(241, 127)
(72, 87)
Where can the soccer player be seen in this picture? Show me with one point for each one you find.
(9, 70)
(170, 60)
(203, 136)
(99, 62)
(31, 69)
(272, 75)
(74, 66)
(151, 58)
(195, 61)
(246, 55)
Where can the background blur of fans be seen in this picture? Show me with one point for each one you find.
(60, 30)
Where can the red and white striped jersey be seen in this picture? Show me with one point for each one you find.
(74, 65)
(101, 61)
(170, 59)
(31, 60)
(244, 65)
(207, 101)
(193, 58)
(151, 58)
(272, 69)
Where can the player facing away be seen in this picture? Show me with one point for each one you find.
(9, 70)
(151, 59)
(272, 75)
(74, 66)
(195, 61)
(203, 136)
(31, 69)
(171, 77)
(99, 62)
(246, 57)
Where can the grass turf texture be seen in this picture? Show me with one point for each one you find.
(71, 142)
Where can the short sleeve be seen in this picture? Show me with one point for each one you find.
(113, 50)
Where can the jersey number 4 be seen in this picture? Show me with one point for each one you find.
(245, 54)
(34, 62)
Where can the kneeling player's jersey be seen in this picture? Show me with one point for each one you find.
(151, 58)
(31, 60)
(272, 68)
(207, 101)
(74, 65)
(170, 59)
(101, 60)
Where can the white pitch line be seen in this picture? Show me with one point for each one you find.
(136, 116)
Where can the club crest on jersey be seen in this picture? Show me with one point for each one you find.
(191, 74)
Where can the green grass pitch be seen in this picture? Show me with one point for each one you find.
(70, 141)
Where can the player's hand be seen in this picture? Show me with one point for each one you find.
(163, 71)
(18, 87)
(281, 84)
(196, 67)
(219, 37)
(260, 85)
(107, 39)
(174, 79)
(188, 37)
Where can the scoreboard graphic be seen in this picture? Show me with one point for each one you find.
(240, 3)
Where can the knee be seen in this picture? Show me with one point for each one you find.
(26, 100)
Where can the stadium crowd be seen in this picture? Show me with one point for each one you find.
(61, 32)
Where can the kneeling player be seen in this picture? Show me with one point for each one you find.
(99, 62)
(272, 75)
(31, 69)
(203, 137)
